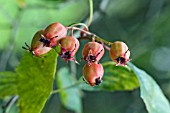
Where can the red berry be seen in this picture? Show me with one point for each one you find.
(119, 53)
(69, 47)
(38, 47)
(93, 73)
(41, 51)
(55, 30)
(93, 51)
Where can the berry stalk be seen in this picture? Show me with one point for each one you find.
(90, 36)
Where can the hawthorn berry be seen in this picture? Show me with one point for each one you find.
(92, 52)
(119, 53)
(93, 73)
(54, 32)
(38, 45)
(69, 46)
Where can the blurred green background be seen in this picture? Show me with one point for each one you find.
(143, 24)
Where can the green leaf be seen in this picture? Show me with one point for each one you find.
(35, 81)
(151, 93)
(115, 78)
(7, 84)
(57, 49)
(118, 78)
(71, 97)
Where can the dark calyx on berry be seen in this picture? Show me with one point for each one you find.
(121, 60)
(91, 58)
(98, 81)
(66, 55)
(45, 41)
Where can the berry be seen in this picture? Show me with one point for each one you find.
(93, 73)
(92, 52)
(119, 53)
(69, 47)
(38, 45)
(55, 30)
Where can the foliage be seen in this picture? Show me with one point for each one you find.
(71, 95)
(34, 77)
(32, 81)
(143, 24)
(151, 93)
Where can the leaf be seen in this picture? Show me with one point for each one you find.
(7, 84)
(118, 78)
(71, 97)
(151, 93)
(115, 78)
(35, 81)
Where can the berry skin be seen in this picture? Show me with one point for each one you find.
(55, 30)
(92, 52)
(69, 46)
(119, 53)
(38, 45)
(93, 73)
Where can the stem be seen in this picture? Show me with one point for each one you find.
(71, 32)
(84, 38)
(79, 24)
(102, 40)
(91, 12)
(98, 39)
(91, 36)
(79, 29)
(71, 86)
(91, 39)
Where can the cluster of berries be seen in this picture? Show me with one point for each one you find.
(56, 35)
(93, 51)
(93, 71)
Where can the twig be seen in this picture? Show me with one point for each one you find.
(91, 12)
(91, 35)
